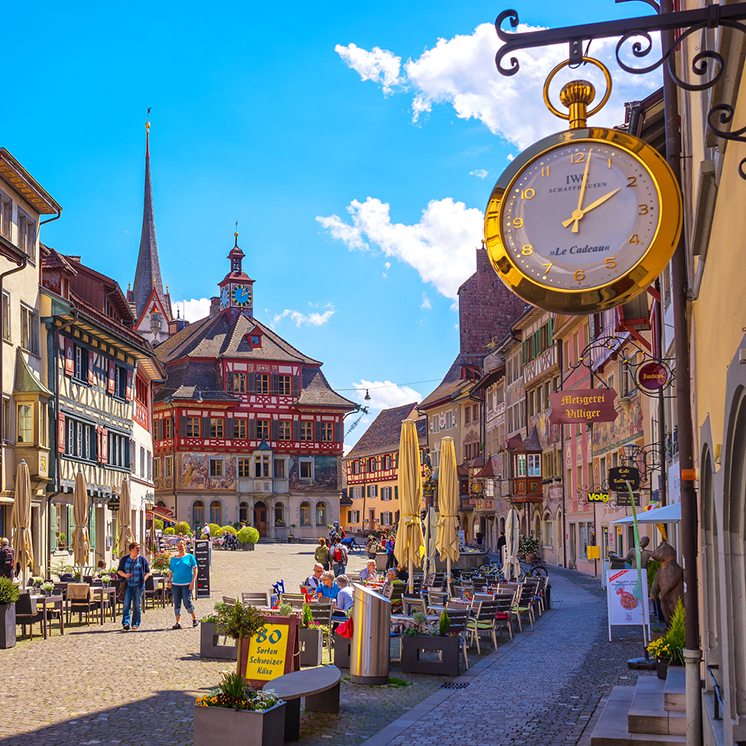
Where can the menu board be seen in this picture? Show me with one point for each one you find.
(203, 555)
(626, 601)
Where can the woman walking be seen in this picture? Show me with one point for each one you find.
(321, 555)
(182, 574)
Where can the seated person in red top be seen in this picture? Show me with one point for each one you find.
(328, 589)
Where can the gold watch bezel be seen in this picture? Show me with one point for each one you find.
(635, 280)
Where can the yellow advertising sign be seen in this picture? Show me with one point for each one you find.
(267, 653)
(593, 552)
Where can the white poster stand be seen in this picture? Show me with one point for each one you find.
(626, 603)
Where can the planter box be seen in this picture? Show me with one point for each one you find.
(217, 726)
(311, 646)
(431, 655)
(341, 651)
(7, 626)
(209, 646)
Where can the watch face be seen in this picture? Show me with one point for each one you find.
(577, 225)
(241, 295)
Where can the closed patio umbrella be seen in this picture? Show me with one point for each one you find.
(511, 566)
(447, 542)
(20, 520)
(125, 512)
(431, 529)
(81, 543)
(409, 547)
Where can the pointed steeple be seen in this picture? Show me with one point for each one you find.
(148, 273)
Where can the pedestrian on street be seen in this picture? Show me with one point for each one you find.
(182, 574)
(321, 555)
(390, 559)
(500, 545)
(6, 559)
(339, 557)
(134, 568)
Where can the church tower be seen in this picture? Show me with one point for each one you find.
(151, 307)
(237, 288)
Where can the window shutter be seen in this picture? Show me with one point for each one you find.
(295, 383)
(252, 428)
(91, 359)
(104, 445)
(338, 432)
(274, 384)
(229, 427)
(296, 430)
(99, 449)
(69, 357)
(251, 383)
(182, 426)
(317, 430)
(61, 432)
(111, 382)
(205, 427)
(129, 392)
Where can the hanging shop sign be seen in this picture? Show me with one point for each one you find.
(597, 497)
(620, 476)
(653, 376)
(582, 405)
(622, 499)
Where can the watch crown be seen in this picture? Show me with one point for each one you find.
(576, 96)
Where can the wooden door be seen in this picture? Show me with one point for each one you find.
(260, 518)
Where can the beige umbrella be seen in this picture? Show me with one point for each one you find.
(125, 512)
(20, 520)
(447, 542)
(409, 547)
(81, 543)
(511, 566)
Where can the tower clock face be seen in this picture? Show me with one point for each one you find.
(224, 296)
(585, 223)
(241, 295)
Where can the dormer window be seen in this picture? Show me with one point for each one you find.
(256, 340)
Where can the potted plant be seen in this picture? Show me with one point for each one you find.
(291, 535)
(247, 538)
(529, 545)
(209, 639)
(9, 594)
(61, 538)
(234, 713)
(241, 623)
(36, 581)
(311, 639)
(430, 649)
(161, 562)
(668, 649)
(47, 587)
(105, 580)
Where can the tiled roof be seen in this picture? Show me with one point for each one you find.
(384, 432)
(316, 391)
(191, 379)
(452, 384)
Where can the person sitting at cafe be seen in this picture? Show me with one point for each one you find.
(368, 574)
(401, 574)
(344, 598)
(314, 581)
(390, 579)
(328, 589)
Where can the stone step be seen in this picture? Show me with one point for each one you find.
(612, 728)
(647, 713)
(674, 697)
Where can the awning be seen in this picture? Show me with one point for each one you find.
(165, 514)
(666, 514)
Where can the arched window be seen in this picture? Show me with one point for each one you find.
(537, 526)
(305, 513)
(198, 513)
(216, 512)
(547, 538)
(321, 514)
(243, 512)
(279, 514)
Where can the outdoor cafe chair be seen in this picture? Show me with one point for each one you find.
(436, 597)
(28, 614)
(296, 600)
(255, 598)
(531, 586)
(321, 613)
(504, 612)
(412, 604)
(479, 583)
(458, 603)
(394, 593)
(79, 601)
(463, 590)
(150, 592)
(483, 597)
(483, 619)
(523, 605)
(459, 619)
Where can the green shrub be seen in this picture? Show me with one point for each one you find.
(247, 535)
(9, 592)
(528, 544)
(170, 531)
(239, 621)
(182, 527)
(228, 530)
(61, 538)
(444, 624)
(215, 531)
(676, 635)
(161, 562)
(158, 524)
(306, 618)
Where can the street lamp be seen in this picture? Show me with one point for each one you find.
(170, 401)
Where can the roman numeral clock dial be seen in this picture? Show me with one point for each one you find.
(583, 220)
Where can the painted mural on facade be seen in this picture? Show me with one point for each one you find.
(626, 428)
(324, 474)
(196, 473)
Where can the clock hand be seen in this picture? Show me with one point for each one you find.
(593, 205)
(578, 212)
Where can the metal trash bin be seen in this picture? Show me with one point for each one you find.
(369, 651)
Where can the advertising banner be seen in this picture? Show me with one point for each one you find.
(203, 555)
(626, 602)
(268, 651)
(582, 405)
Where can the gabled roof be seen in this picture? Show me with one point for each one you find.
(316, 392)
(382, 436)
(452, 384)
(26, 185)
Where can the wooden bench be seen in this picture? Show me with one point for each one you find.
(318, 686)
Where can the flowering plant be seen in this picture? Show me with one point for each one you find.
(47, 586)
(234, 692)
(106, 578)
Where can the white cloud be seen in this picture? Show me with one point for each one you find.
(194, 309)
(314, 318)
(480, 173)
(378, 65)
(384, 394)
(461, 72)
(440, 247)
(426, 305)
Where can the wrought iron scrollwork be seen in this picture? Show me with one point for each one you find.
(635, 39)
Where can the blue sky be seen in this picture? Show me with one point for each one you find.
(355, 143)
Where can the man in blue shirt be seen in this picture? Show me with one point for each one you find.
(344, 597)
(328, 588)
(134, 568)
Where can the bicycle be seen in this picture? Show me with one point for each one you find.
(534, 569)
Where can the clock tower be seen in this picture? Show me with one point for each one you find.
(237, 288)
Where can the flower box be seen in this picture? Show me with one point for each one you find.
(311, 646)
(342, 651)
(209, 645)
(219, 726)
(428, 654)
(7, 626)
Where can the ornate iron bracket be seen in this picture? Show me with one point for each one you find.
(634, 34)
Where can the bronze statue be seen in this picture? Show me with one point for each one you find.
(668, 586)
(644, 554)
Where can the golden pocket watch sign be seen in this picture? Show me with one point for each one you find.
(585, 219)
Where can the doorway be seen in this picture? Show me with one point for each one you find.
(260, 518)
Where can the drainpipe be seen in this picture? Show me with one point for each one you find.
(692, 651)
(561, 363)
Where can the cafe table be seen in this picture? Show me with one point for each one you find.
(105, 595)
(54, 603)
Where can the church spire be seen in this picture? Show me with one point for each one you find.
(148, 273)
